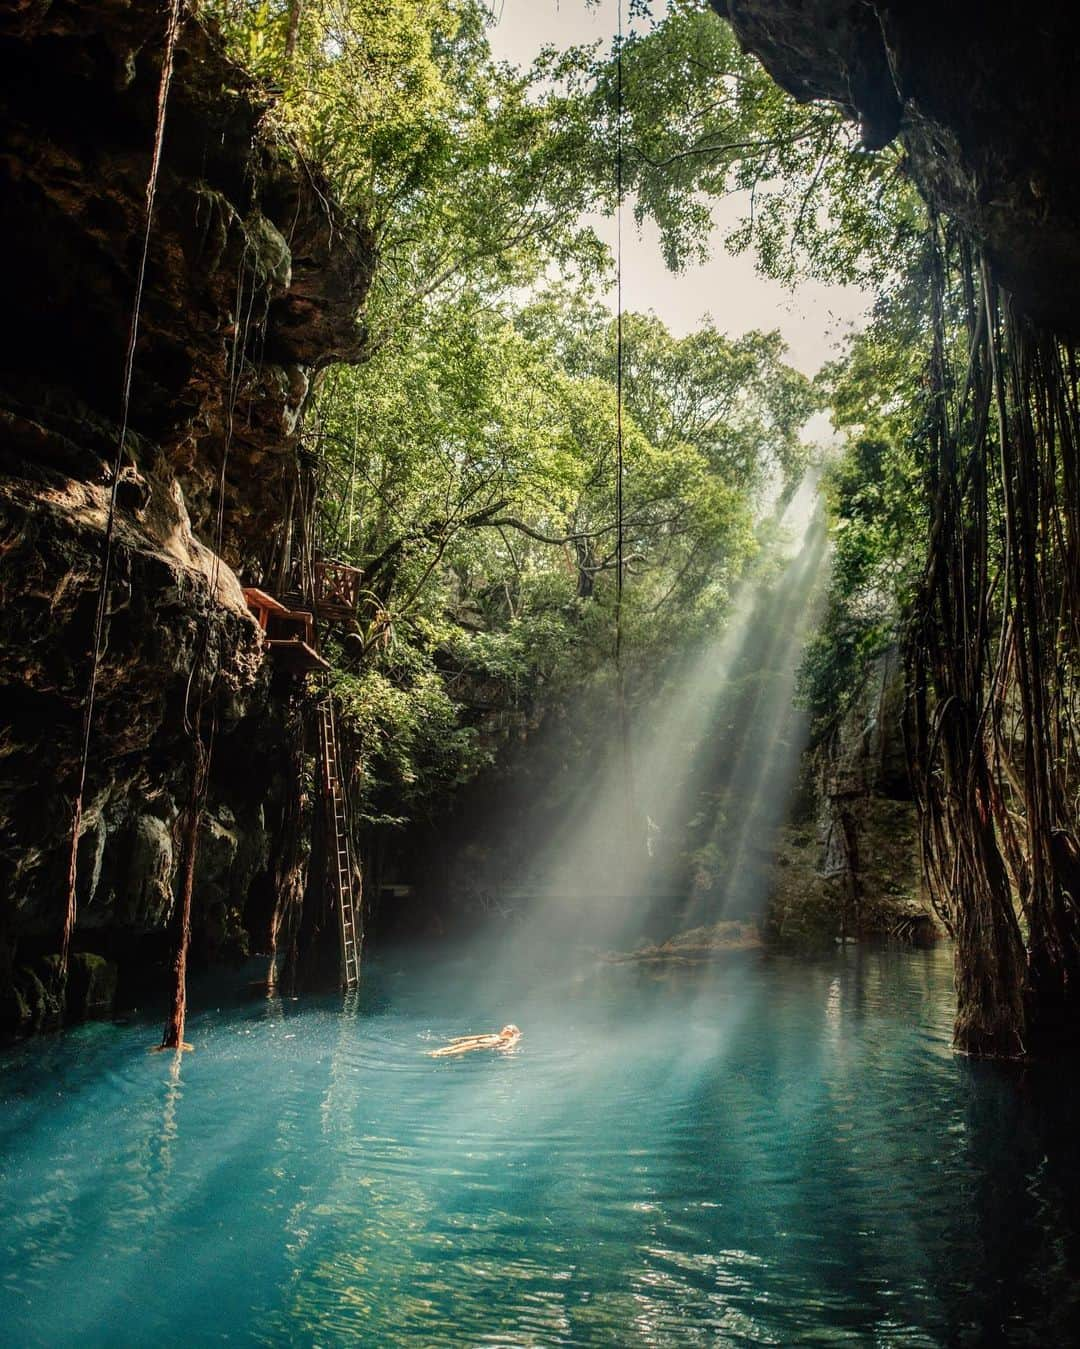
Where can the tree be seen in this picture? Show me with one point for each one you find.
(701, 120)
(471, 477)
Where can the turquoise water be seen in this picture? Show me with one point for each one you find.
(785, 1153)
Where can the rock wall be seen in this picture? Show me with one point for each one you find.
(255, 282)
(848, 865)
(982, 97)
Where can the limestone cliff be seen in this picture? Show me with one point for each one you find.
(255, 281)
(982, 97)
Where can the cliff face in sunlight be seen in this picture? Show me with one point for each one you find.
(254, 281)
(982, 97)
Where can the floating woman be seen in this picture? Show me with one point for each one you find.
(465, 1044)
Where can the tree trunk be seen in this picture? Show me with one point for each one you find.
(292, 32)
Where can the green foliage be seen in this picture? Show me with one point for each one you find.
(473, 174)
(414, 746)
(464, 169)
(468, 468)
(876, 499)
(701, 120)
(470, 473)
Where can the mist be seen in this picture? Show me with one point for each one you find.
(677, 829)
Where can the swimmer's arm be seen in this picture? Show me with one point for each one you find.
(464, 1043)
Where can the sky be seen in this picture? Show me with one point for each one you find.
(812, 318)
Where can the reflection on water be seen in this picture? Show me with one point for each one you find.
(781, 1153)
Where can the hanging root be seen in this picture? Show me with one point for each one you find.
(173, 1038)
(172, 32)
(290, 870)
(991, 657)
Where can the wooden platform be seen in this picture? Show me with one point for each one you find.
(337, 589)
(295, 655)
(290, 633)
(263, 605)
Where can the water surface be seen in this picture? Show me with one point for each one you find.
(781, 1153)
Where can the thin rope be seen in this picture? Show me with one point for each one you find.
(352, 470)
(619, 466)
(629, 794)
(172, 32)
(202, 749)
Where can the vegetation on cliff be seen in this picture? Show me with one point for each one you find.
(457, 448)
(466, 466)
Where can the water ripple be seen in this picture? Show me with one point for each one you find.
(785, 1153)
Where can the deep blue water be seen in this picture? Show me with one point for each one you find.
(783, 1153)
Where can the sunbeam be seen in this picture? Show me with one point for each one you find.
(714, 754)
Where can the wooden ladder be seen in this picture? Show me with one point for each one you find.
(340, 855)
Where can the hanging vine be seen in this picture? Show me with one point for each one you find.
(991, 658)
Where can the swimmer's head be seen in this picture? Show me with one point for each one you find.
(508, 1032)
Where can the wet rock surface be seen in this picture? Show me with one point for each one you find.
(255, 280)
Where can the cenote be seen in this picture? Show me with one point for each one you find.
(540, 668)
(779, 1152)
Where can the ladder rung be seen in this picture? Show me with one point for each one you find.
(340, 820)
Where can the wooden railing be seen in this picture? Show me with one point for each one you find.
(337, 589)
